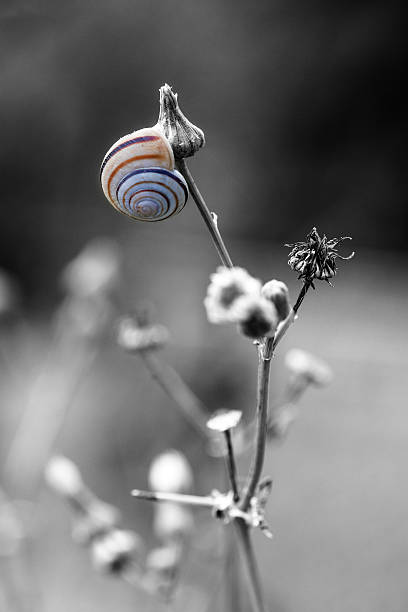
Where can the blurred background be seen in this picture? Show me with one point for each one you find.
(302, 107)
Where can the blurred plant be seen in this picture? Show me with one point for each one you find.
(262, 313)
(96, 525)
(80, 326)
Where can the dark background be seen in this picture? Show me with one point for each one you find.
(303, 108)
(302, 105)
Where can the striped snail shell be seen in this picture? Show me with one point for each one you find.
(138, 176)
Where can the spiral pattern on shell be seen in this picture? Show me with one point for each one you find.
(139, 179)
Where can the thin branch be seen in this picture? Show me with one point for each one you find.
(175, 387)
(206, 215)
(231, 465)
(176, 498)
(255, 473)
(245, 542)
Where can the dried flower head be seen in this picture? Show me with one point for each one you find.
(226, 286)
(116, 551)
(316, 258)
(170, 472)
(277, 292)
(184, 137)
(313, 370)
(133, 337)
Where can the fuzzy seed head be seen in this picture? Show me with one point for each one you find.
(226, 286)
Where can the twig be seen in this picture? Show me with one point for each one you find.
(175, 387)
(264, 365)
(176, 498)
(231, 466)
(245, 542)
(206, 215)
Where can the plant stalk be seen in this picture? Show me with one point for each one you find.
(245, 543)
(205, 213)
(264, 365)
(175, 387)
(231, 465)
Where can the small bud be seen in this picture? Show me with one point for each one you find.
(223, 420)
(170, 472)
(184, 137)
(256, 316)
(62, 475)
(313, 370)
(116, 551)
(134, 338)
(172, 521)
(277, 292)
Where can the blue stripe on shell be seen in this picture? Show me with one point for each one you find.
(151, 194)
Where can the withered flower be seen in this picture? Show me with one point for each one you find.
(316, 258)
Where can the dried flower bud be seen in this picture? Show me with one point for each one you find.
(226, 286)
(312, 369)
(172, 521)
(277, 292)
(256, 316)
(134, 338)
(116, 551)
(95, 270)
(62, 475)
(223, 420)
(170, 472)
(316, 257)
(184, 137)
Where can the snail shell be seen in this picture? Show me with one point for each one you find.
(138, 177)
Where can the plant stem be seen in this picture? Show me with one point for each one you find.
(231, 466)
(176, 498)
(205, 213)
(175, 387)
(245, 542)
(284, 326)
(264, 365)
